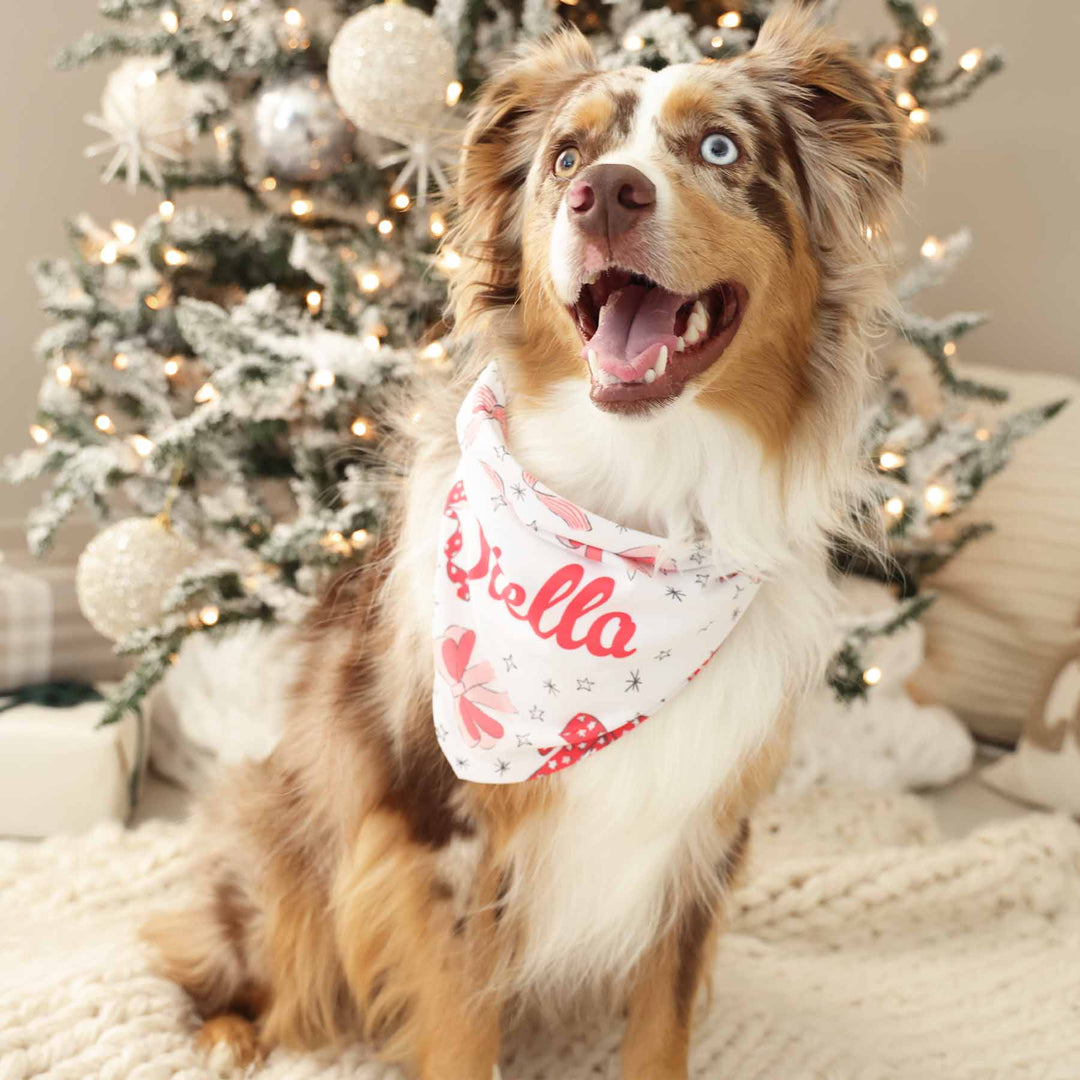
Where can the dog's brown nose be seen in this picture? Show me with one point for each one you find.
(609, 200)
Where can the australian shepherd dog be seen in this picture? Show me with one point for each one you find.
(678, 273)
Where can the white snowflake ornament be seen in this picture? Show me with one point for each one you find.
(147, 116)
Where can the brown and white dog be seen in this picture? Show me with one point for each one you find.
(352, 884)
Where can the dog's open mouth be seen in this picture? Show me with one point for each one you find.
(643, 343)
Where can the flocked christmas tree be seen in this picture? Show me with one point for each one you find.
(228, 370)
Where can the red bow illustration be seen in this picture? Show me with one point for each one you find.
(453, 652)
(486, 408)
(570, 512)
(582, 736)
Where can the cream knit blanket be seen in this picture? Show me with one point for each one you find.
(862, 948)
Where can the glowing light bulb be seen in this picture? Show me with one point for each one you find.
(717, 42)
(205, 394)
(125, 233)
(983, 435)
(450, 260)
(372, 342)
(120, 361)
(633, 43)
(39, 434)
(730, 20)
(400, 201)
(171, 367)
(293, 18)
(63, 374)
(174, 257)
(360, 427)
(321, 379)
(895, 506)
(891, 460)
(221, 138)
(314, 301)
(436, 225)
(268, 183)
(226, 14)
(359, 538)
(369, 281)
(104, 424)
(872, 676)
(386, 227)
(209, 615)
(146, 77)
(970, 60)
(170, 20)
(906, 100)
(453, 93)
(301, 207)
(931, 248)
(869, 232)
(435, 351)
(336, 542)
(919, 116)
(919, 54)
(936, 497)
(166, 209)
(142, 445)
(929, 16)
(417, 417)
(895, 59)
(949, 348)
(108, 252)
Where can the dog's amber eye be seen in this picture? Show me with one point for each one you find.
(719, 149)
(567, 162)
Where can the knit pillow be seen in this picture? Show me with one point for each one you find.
(1045, 769)
(1009, 604)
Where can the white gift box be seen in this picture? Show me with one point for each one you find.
(62, 773)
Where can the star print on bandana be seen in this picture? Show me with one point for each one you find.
(540, 599)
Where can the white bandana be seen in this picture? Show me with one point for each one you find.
(556, 632)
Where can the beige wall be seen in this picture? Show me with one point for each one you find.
(1011, 171)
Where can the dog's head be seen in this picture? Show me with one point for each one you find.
(690, 230)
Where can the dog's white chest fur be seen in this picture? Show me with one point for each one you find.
(593, 876)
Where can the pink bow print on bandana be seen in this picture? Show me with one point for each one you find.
(453, 652)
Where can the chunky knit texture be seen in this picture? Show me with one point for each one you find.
(862, 948)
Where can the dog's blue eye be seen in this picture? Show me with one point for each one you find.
(719, 149)
(567, 163)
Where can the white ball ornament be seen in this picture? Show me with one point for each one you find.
(389, 68)
(302, 130)
(125, 572)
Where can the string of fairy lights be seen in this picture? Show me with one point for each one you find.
(301, 206)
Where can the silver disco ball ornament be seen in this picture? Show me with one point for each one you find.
(389, 68)
(302, 130)
(125, 572)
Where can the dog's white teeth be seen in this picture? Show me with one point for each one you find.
(680, 344)
(606, 378)
(592, 358)
(692, 334)
(661, 360)
(699, 314)
(650, 375)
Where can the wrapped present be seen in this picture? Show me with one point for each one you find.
(43, 634)
(60, 771)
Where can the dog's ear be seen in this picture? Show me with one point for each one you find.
(850, 133)
(501, 141)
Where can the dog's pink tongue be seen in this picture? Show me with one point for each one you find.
(634, 323)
